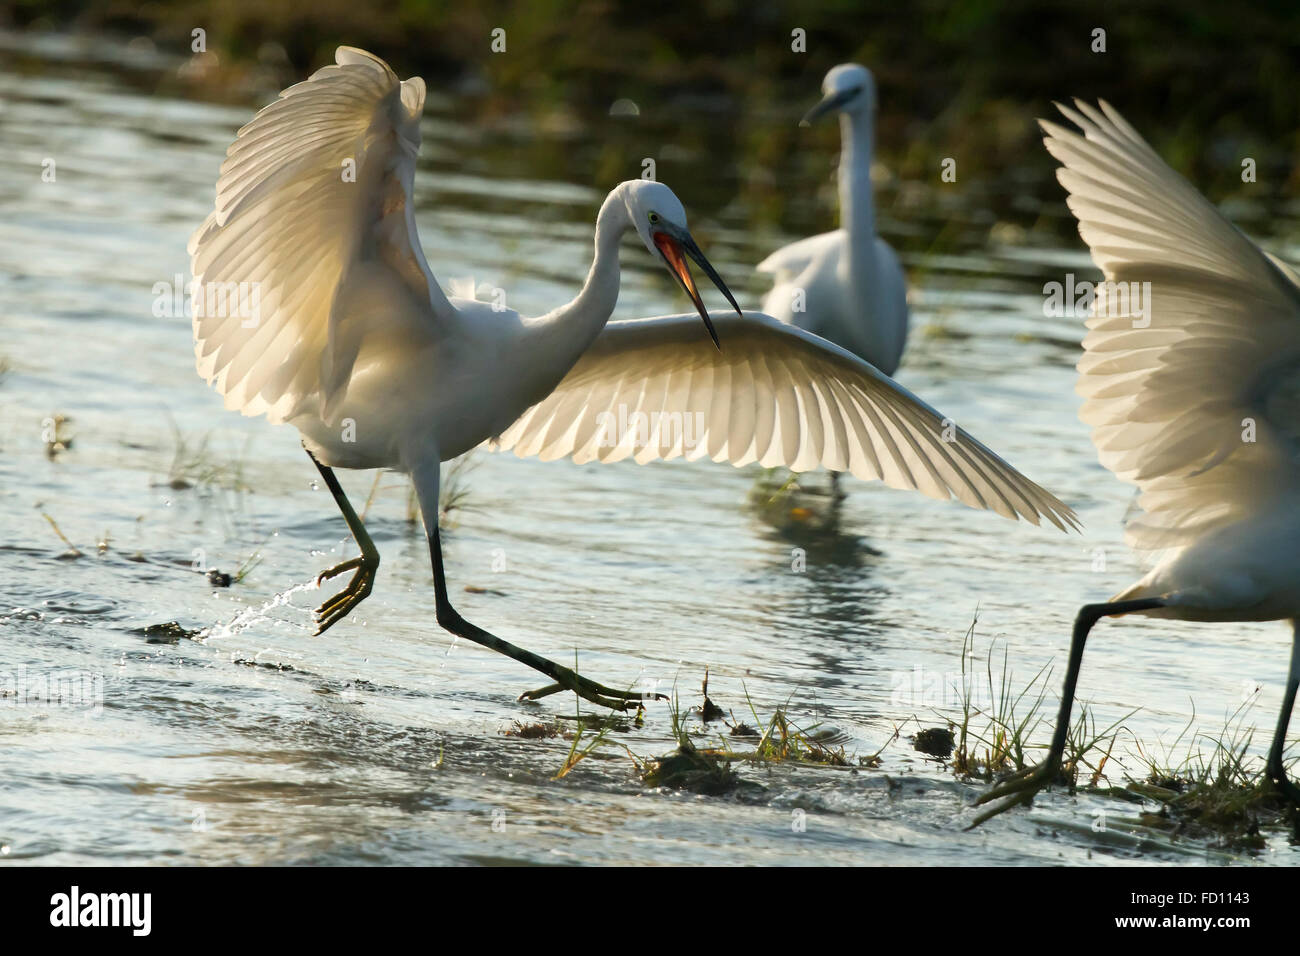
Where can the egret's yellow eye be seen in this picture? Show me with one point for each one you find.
(654, 217)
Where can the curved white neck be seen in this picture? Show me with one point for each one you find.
(556, 341)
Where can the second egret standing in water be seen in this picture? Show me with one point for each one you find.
(846, 286)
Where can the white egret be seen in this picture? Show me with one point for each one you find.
(357, 346)
(1192, 388)
(846, 285)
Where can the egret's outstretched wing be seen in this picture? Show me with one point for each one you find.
(654, 388)
(313, 216)
(1194, 395)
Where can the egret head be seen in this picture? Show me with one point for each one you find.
(848, 88)
(660, 221)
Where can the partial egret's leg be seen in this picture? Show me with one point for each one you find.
(837, 495)
(1020, 787)
(565, 679)
(426, 487)
(1276, 771)
(365, 566)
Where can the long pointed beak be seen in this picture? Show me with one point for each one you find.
(829, 103)
(674, 249)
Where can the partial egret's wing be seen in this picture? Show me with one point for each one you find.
(1194, 395)
(1285, 268)
(656, 388)
(790, 260)
(313, 201)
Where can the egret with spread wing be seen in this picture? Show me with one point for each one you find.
(356, 345)
(1171, 392)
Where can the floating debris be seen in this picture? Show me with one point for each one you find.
(169, 633)
(57, 439)
(534, 731)
(935, 742)
(709, 711)
(268, 665)
(689, 768)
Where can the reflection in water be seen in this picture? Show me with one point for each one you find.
(836, 609)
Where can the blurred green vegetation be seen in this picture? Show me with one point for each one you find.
(1209, 83)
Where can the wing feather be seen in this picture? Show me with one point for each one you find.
(1169, 393)
(775, 394)
(307, 250)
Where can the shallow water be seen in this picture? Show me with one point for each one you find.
(382, 741)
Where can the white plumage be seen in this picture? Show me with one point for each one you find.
(314, 211)
(354, 343)
(1172, 395)
(1193, 395)
(773, 395)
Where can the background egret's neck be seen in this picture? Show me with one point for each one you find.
(857, 210)
(857, 206)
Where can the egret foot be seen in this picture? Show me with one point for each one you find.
(340, 605)
(1290, 792)
(1018, 788)
(591, 691)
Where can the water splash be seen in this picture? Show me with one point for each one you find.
(251, 615)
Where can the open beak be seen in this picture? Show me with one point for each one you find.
(830, 103)
(675, 246)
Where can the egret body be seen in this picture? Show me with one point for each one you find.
(1171, 395)
(359, 349)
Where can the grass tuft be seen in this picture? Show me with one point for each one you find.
(1224, 796)
(710, 770)
(703, 771)
(454, 495)
(993, 741)
(193, 465)
(1220, 794)
(537, 730)
(73, 551)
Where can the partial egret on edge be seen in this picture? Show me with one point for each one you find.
(1168, 396)
(360, 350)
(848, 282)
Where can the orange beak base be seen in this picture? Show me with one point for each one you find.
(672, 253)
